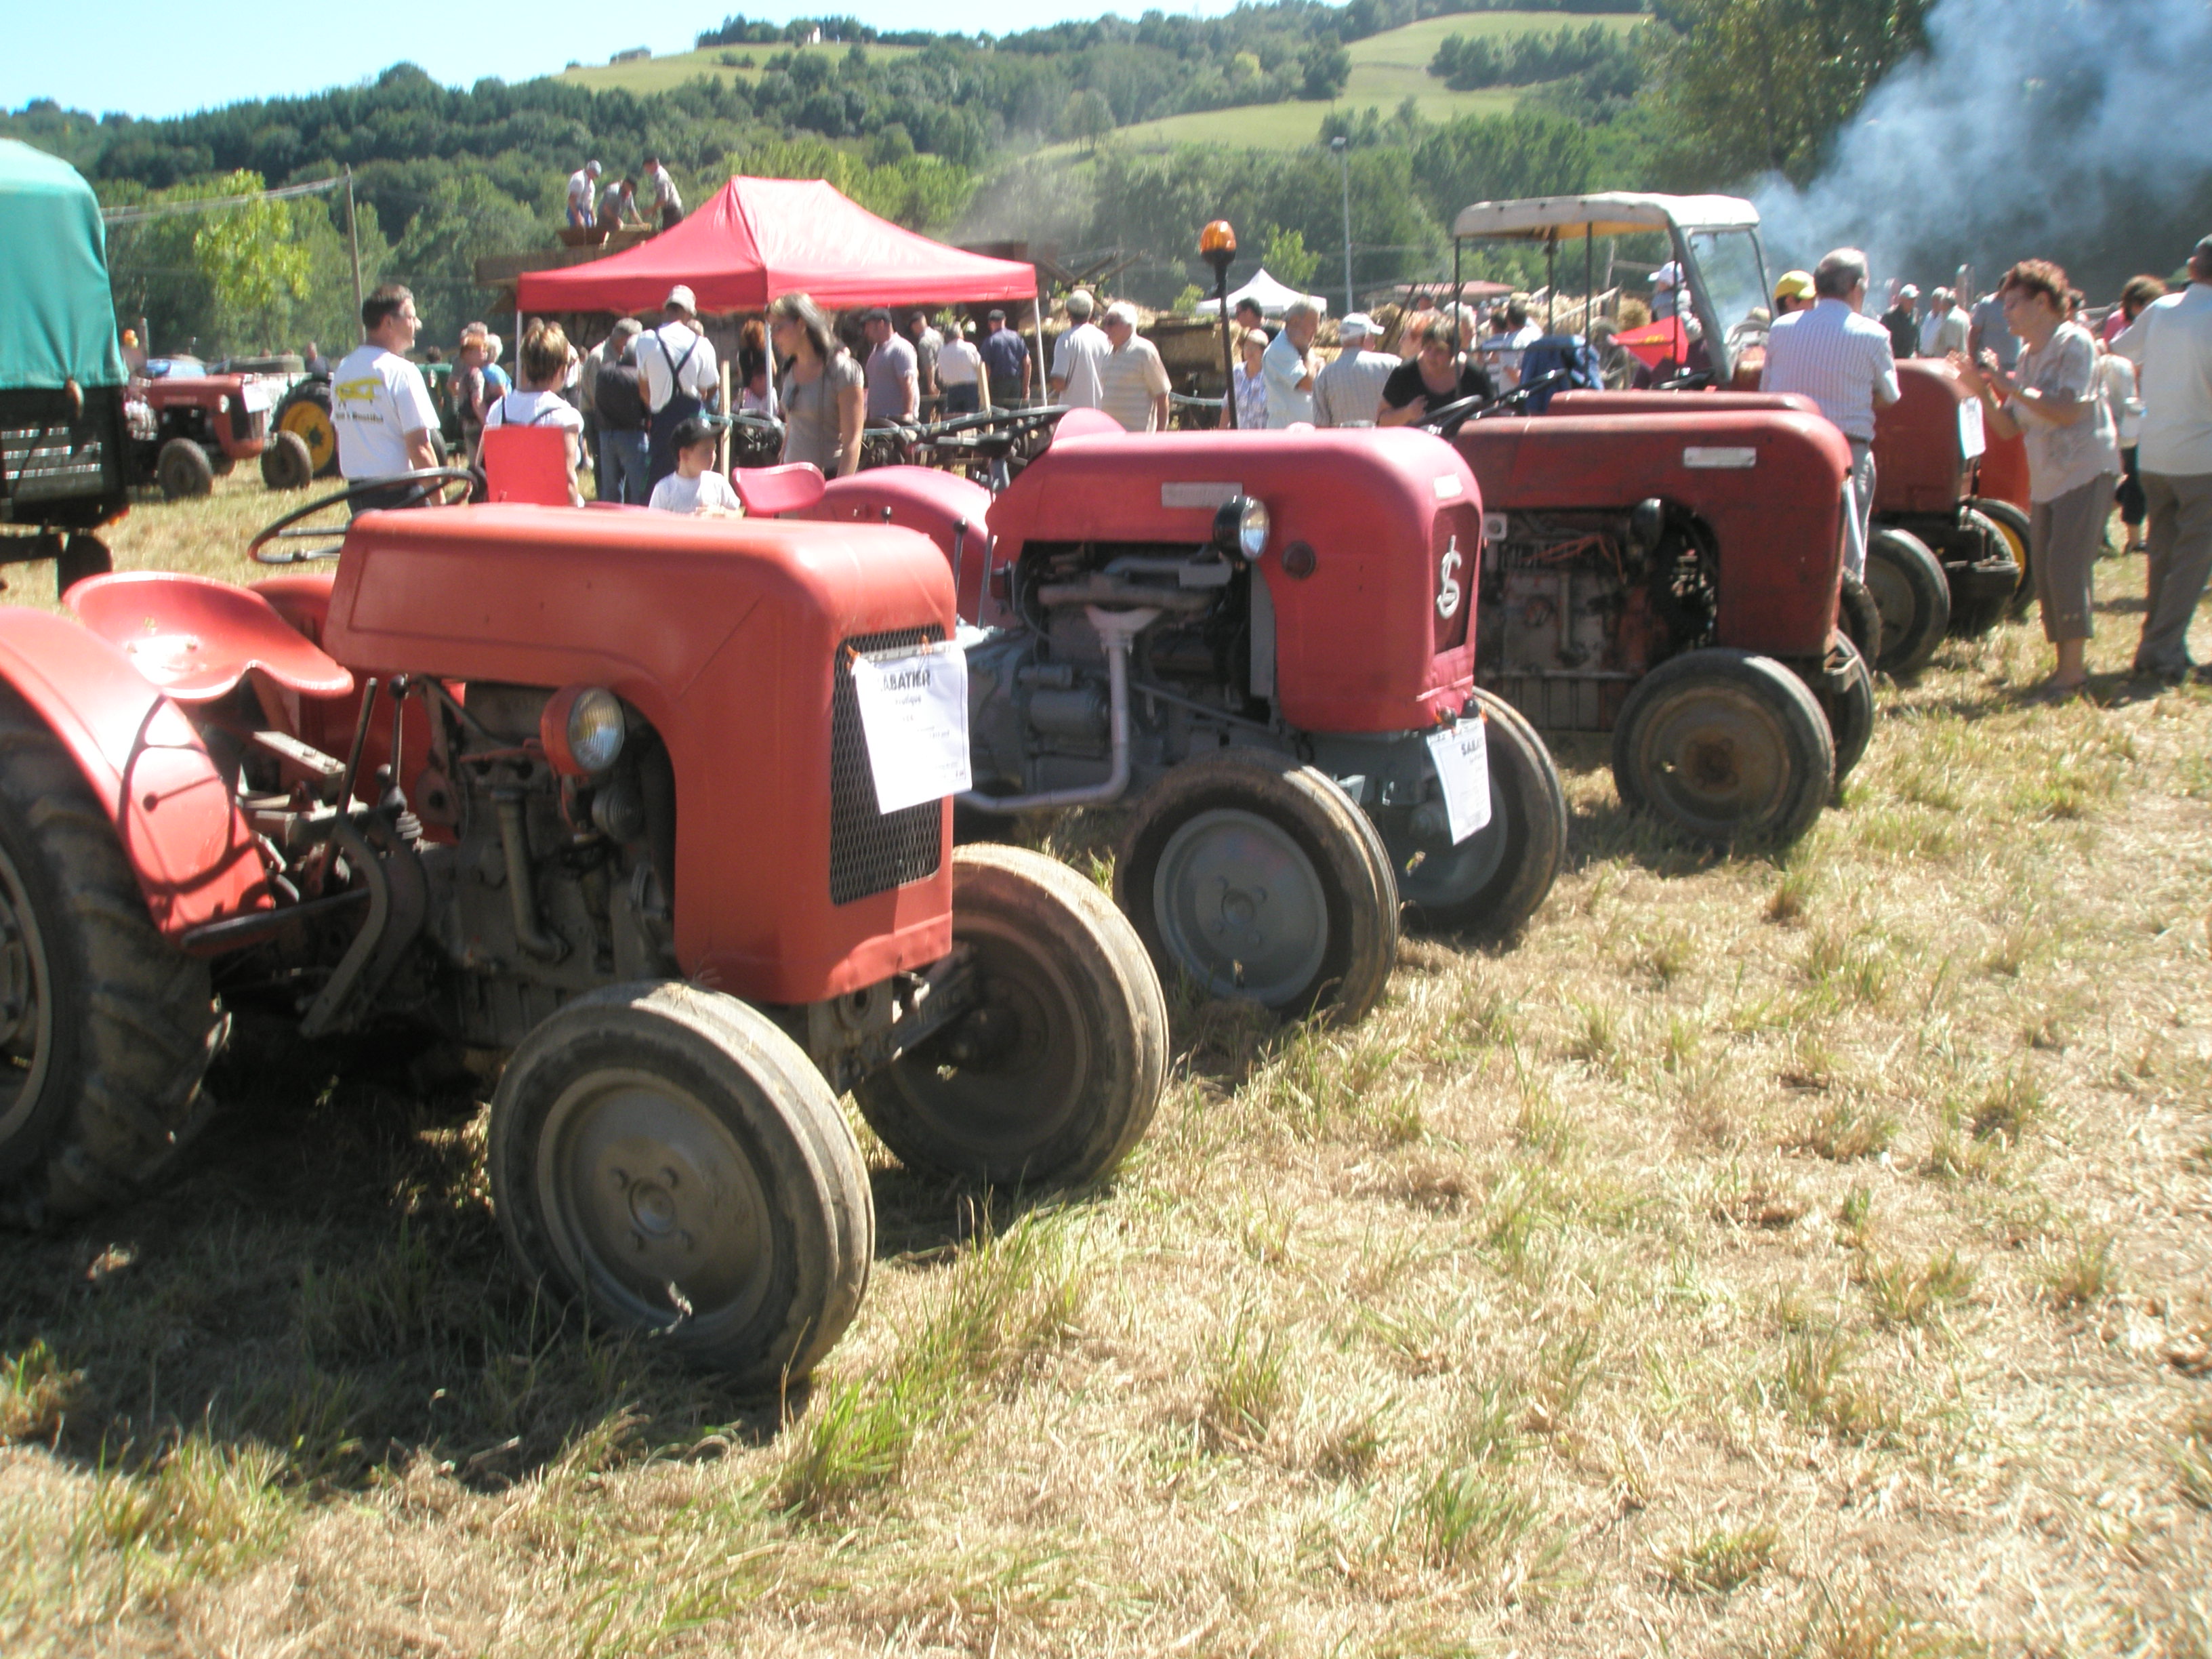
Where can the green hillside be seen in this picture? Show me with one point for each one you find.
(666, 74)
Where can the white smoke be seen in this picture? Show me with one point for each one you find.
(2075, 130)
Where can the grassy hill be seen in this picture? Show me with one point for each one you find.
(1387, 68)
(665, 74)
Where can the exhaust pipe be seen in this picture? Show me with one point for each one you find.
(1116, 628)
(515, 842)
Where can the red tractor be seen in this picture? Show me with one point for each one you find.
(598, 793)
(205, 424)
(1262, 644)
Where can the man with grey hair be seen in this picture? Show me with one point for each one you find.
(1943, 330)
(1133, 381)
(1841, 359)
(1076, 356)
(2170, 342)
(1350, 390)
(1289, 366)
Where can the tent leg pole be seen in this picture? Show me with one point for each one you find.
(1459, 298)
(1590, 294)
(1037, 335)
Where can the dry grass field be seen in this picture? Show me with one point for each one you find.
(1799, 1257)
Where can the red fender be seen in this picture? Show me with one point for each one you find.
(196, 857)
(951, 510)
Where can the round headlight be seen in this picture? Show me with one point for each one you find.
(582, 729)
(1252, 529)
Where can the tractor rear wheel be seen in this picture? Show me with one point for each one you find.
(1490, 883)
(306, 414)
(183, 469)
(285, 462)
(81, 556)
(1913, 595)
(2011, 524)
(1860, 617)
(1251, 876)
(1054, 1074)
(1728, 747)
(107, 1028)
(1850, 711)
(666, 1156)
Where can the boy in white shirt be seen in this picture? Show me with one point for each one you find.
(696, 486)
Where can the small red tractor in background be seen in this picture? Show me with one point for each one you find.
(205, 424)
(1262, 644)
(600, 793)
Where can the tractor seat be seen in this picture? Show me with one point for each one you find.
(768, 491)
(195, 639)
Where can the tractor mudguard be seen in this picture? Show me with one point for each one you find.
(196, 858)
(951, 510)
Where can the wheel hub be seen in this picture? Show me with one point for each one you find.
(1239, 904)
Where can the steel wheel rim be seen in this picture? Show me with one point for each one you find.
(1239, 904)
(1436, 874)
(312, 427)
(652, 1204)
(1719, 756)
(1020, 1093)
(1893, 595)
(26, 1016)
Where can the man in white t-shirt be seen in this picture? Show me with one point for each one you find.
(379, 404)
(2170, 342)
(677, 362)
(580, 183)
(667, 204)
(1076, 356)
(960, 374)
(1289, 366)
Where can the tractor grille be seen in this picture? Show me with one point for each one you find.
(873, 852)
(43, 463)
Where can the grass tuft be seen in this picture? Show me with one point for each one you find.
(1245, 1384)
(34, 1394)
(2084, 1273)
(1845, 1129)
(1900, 1293)
(1718, 1562)
(1820, 1390)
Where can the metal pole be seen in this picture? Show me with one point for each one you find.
(1459, 297)
(1550, 280)
(1589, 293)
(353, 240)
(1344, 167)
(1228, 372)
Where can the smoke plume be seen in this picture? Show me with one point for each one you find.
(2073, 130)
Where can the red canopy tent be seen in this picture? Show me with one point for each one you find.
(759, 238)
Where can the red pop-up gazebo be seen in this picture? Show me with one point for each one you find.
(759, 238)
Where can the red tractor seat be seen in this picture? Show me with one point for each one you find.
(195, 639)
(1088, 423)
(527, 463)
(768, 491)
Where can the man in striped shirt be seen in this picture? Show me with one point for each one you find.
(1841, 360)
(1350, 390)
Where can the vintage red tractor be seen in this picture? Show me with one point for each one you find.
(205, 424)
(1262, 644)
(598, 793)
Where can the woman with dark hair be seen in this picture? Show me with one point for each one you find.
(825, 393)
(1437, 375)
(753, 361)
(2052, 402)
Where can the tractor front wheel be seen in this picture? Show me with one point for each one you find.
(107, 1028)
(1913, 595)
(1728, 747)
(306, 414)
(1490, 883)
(1054, 1073)
(183, 469)
(1850, 711)
(286, 464)
(1860, 617)
(2011, 525)
(666, 1156)
(1252, 875)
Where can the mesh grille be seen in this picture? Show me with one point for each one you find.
(873, 852)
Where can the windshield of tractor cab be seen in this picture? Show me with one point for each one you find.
(1731, 279)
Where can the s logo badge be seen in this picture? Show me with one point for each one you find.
(1447, 590)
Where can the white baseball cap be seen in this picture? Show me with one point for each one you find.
(679, 299)
(1355, 322)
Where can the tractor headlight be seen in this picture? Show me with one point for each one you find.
(1242, 523)
(582, 730)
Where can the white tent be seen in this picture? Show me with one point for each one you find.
(1271, 295)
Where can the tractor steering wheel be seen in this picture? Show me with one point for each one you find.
(435, 485)
(1454, 414)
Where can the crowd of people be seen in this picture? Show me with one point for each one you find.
(2118, 415)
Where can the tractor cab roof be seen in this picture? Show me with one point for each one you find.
(1612, 212)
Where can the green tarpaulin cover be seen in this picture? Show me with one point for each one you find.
(57, 315)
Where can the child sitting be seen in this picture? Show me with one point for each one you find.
(694, 487)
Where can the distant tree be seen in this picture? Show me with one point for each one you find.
(1286, 255)
(466, 217)
(1089, 117)
(1324, 68)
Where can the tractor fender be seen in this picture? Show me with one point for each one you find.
(196, 857)
(951, 510)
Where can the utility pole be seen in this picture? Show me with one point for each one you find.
(353, 238)
(1342, 148)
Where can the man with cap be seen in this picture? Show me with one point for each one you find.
(1350, 390)
(580, 182)
(1793, 292)
(680, 377)
(894, 379)
(1006, 359)
(1076, 356)
(2170, 342)
(1902, 326)
(1943, 330)
(1665, 282)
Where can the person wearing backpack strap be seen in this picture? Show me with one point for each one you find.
(680, 378)
(544, 360)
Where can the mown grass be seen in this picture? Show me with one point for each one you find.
(1797, 1257)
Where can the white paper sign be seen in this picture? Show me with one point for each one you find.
(1461, 754)
(1970, 440)
(913, 712)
